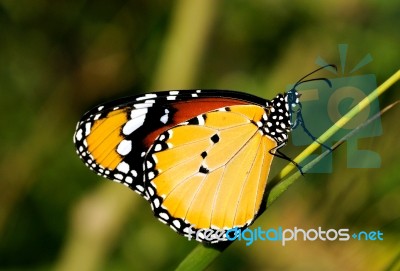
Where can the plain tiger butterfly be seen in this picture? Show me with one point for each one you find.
(200, 157)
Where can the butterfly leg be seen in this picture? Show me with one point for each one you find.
(276, 152)
(300, 121)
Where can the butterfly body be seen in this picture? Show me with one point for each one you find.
(200, 157)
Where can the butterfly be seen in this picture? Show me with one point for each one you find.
(200, 157)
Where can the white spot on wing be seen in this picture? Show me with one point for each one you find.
(124, 147)
(128, 179)
(171, 98)
(156, 203)
(164, 216)
(157, 147)
(147, 96)
(177, 224)
(118, 176)
(200, 119)
(142, 105)
(138, 112)
(151, 175)
(150, 190)
(79, 135)
(123, 167)
(133, 124)
(164, 118)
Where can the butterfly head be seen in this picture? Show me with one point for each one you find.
(294, 106)
(292, 97)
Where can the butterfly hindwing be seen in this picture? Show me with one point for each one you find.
(210, 172)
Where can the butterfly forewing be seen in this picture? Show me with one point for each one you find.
(112, 139)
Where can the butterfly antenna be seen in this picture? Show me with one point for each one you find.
(299, 115)
(301, 80)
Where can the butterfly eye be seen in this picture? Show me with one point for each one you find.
(293, 100)
(295, 107)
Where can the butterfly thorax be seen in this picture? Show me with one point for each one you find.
(278, 123)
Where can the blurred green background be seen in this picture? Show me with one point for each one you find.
(60, 58)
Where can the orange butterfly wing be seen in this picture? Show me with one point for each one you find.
(210, 172)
